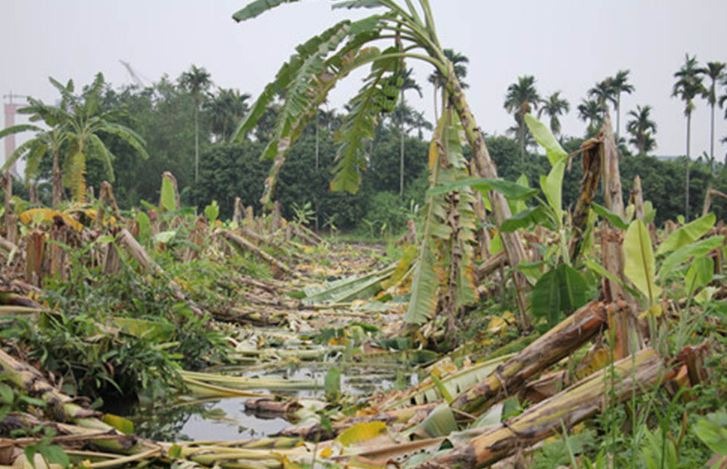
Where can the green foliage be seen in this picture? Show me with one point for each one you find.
(687, 234)
(212, 212)
(51, 453)
(545, 139)
(712, 431)
(559, 291)
(639, 263)
(117, 335)
(332, 384)
(168, 197)
(386, 214)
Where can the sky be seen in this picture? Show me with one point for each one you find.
(567, 45)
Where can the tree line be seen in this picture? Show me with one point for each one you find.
(130, 135)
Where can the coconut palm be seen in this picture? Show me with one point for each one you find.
(197, 82)
(77, 127)
(619, 85)
(554, 107)
(521, 99)
(592, 112)
(642, 129)
(687, 87)
(714, 71)
(437, 79)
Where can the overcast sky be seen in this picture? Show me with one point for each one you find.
(567, 44)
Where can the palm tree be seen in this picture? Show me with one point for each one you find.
(688, 86)
(78, 126)
(603, 94)
(642, 129)
(592, 112)
(225, 111)
(521, 99)
(620, 84)
(196, 81)
(554, 106)
(438, 81)
(714, 71)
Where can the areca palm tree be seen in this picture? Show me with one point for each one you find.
(225, 111)
(197, 82)
(554, 107)
(642, 129)
(714, 71)
(77, 129)
(437, 79)
(619, 85)
(687, 87)
(521, 99)
(603, 93)
(592, 112)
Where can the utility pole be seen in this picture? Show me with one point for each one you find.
(7, 178)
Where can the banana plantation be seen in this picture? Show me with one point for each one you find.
(504, 327)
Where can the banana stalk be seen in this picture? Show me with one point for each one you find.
(634, 374)
(510, 377)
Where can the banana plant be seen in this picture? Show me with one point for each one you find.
(561, 289)
(78, 127)
(444, 272)
(307, 78)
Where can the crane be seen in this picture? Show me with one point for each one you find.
(134, 76)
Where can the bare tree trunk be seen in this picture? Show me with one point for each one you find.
(486, 168)
(623, 322)
(686, 188)
(711, 141)
(401, 160)
(196, 142)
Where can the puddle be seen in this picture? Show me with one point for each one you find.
(227, 419)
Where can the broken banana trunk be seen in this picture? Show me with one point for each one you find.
(243, 244)
(137, 251)
(510, 377)
(635, 374)
(62, 408)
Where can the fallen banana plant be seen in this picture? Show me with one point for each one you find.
(636, 374)
(242, 244)
(137, 252)
(510, 377)
(245, 383)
